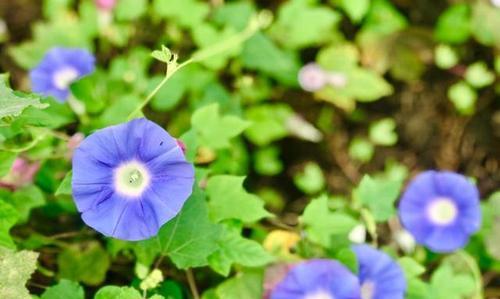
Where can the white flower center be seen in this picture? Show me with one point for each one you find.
(64, 77)
(442, 211)
(320, 294)
(131, 178)
(367, 290)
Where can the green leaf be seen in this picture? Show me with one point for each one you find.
(445, 56)
(188, 243)
(235, 249)
(54, 116)
(382, 132)
(347, 256)
(65, 289)
(25, 199)
(445, 284)
(478, 75)
(411, 267)
(234, 14)
(311, 179)
(301, 23)
(115, 292)
(268, 123)
(491, 225)
(244, 285)
(64, 31)
(65, 187)
(355, 9)
(267, 161)
(15, 270)
(87, 264)
(226, 192)
(193, 78)
(53, 8)
(379, 195)
(164, 55)
(453, 25)
(322, 224)
(463, 97)
(361, 149)
(365, 86)
(127, 10)
(339, 57)
(485, 23)
(206, 36)
(117, 112)
(8, 217)
(383, 18)
(417, 289)
(6, 161)
(261, 54)
(215, 130)
(187, 13)
(12, 103)
(93, 91)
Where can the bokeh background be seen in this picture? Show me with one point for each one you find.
(419, 89)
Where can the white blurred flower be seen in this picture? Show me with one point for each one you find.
(312, 77)
(405, 240)
(302, 129)
(358, 234)
(495, 3)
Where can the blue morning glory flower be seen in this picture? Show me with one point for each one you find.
(318, 279)
(441, 210)
(380, 276)
(130, 179)
(58, 69)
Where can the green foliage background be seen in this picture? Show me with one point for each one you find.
(281, 174)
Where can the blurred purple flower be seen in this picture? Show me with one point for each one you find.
(318, 279)
(312, 77)
(21, 174)
(379, 275)
(105, 4)
(441, 210)
(58, 69)
(130, 179)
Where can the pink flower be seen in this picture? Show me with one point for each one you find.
(21, 174)
(105, 4)
(312, 77)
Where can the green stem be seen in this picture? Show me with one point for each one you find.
(255, 24)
